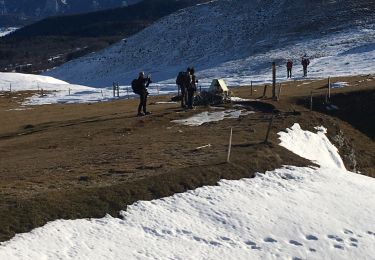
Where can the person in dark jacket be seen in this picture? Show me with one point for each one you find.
(143, 82)
(305, 62)
(185, 88)
(192, 88)
(289, 66)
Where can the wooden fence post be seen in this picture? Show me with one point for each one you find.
(118, 90)
(269, 129)
(311, 101)
(251, 88)
(274, 80)
(329, 88)
(278, 94)
(230, 144)
(114, 89)
(264, 91)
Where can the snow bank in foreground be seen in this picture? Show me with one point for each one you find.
(288, 213)
(206, 117)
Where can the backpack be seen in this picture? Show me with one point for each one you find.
(136, 86)
(180, 78)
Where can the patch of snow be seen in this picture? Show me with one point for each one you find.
(56, 91)
(339, 84)
(315, 147)
(238, 99)
(206, 117)
(7, 30)
(165, 102)
(288, 213)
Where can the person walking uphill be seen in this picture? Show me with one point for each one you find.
(305, 62)
(289, 66)
(140, 87)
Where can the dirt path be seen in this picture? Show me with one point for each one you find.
(86, 160)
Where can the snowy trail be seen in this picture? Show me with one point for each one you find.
(288, 213)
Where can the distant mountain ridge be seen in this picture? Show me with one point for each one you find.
(118, 21)
(38, 9)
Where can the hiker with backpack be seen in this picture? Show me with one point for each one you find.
(186, 85)
(139, 87)
(305, 62)
(180, 84)
(192, 88)
(289, 66)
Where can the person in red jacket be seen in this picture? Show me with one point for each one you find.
(289, 66)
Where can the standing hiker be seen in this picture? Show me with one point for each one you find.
(305, 62)
(185, 88)
(140, 87)
(289, 66)
(180, 85)
(192, 88)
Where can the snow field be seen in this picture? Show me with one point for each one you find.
(288, 213)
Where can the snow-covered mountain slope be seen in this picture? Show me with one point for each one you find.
(238, 40)
(288, 213)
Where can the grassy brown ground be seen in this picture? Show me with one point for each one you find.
(86, 160)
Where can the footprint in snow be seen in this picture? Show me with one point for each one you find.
(250, 243)
(253, 245)
(215, 243)
(334, 237)
(348, 231)
(339, 247)
(296, 243)
(225, 238)
(270, 240)
(311, 237)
